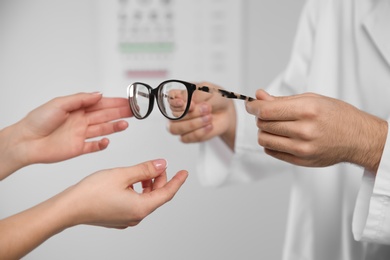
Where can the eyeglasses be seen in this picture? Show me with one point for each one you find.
(173, 98)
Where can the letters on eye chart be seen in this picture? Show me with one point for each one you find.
(155, 40)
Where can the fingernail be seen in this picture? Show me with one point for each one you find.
(204, 109)
(206, 118)
(97, 93)
(208, 128)
(160, 164)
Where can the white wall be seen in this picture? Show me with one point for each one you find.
(48, 49)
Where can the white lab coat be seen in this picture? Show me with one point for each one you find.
(341, 50)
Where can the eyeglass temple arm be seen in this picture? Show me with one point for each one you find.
(146, 95)
(224, 93)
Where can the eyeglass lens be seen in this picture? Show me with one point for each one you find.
(172, 98)
(139, 95)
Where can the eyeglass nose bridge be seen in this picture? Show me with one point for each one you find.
(155, 95)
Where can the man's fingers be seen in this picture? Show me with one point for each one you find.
(284, 108)
(273, 142)
(285, 145)
(263, 95)
(198, 110)
(199, 118)
(291, 129)
(202, 134)
(290, 158)
(188, 126)
(276, 110)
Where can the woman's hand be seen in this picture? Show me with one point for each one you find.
(61, 129)
(105, 198)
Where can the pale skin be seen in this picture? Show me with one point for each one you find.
(209, 115)
(307, 129)
(60, 130)
(64, 122)
(105, 198)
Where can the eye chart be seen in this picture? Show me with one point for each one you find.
(155, 40)
(146, 39)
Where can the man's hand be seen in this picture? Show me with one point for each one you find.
(317, 131)
(209, 115)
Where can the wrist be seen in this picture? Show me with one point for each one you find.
(70, 203)
(371, 142)
(377, 146)
(61, 211)
(11, 156)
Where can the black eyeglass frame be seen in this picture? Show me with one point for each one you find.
(191, 87)
(153, 94)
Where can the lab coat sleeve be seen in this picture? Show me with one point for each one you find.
(217, 165)
(371, 220)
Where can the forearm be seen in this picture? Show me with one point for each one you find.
(21, 233)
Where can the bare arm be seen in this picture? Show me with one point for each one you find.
(60, 130)
(83, 204)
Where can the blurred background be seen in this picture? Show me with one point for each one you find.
(50, 48)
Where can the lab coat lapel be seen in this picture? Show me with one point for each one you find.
(377, 24)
